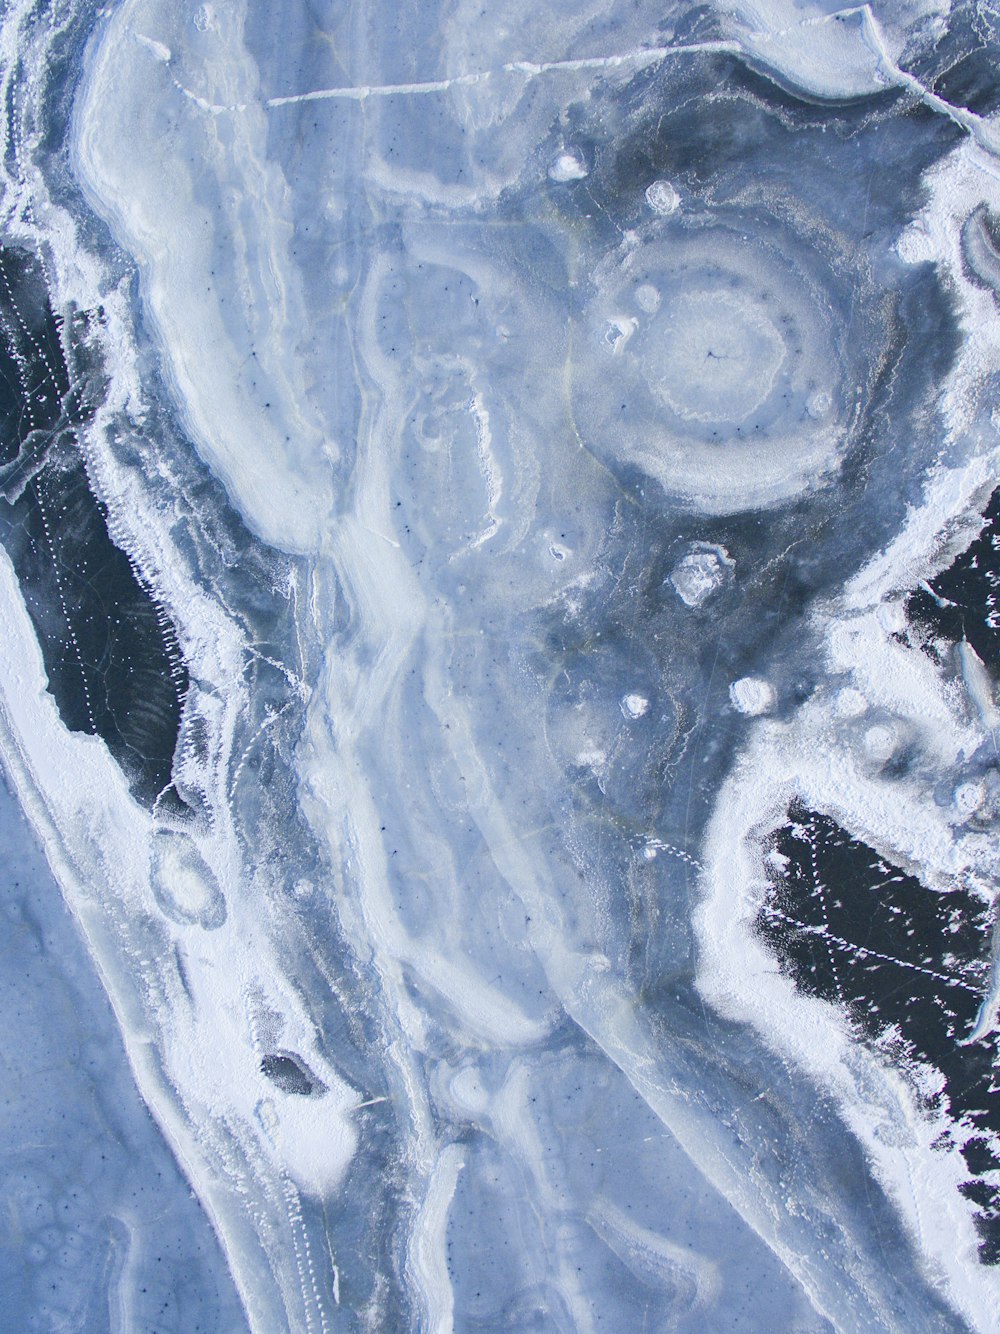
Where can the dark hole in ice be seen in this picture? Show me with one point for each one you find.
(970, 592)
(290, 1075)
(907, 963)
(110, 654)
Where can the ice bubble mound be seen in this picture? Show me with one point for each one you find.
(732, 392)
(701, 571)
(662, 198)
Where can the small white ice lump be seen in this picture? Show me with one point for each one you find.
(700, 572)
(568, 166)
(751, 695)
(662, 198)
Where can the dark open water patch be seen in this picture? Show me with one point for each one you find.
(111, 656)
(965, 598)
(908, 965)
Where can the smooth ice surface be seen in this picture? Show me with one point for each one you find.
(498, 596)
(100, 1229)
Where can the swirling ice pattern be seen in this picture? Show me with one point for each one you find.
(527, 431)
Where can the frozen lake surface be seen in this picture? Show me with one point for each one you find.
(499, 600)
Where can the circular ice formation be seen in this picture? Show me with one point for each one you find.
(662, 198)
(647, 298)
(849, 703)
(635, 706)
(751, 695)
(467, 1091)
(715, 357)
(729, 391)
(568, 166)
(184, 885)
(700, 572)
(879, 743)
(968, 798)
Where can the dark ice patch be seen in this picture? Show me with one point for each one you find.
(854, 166)
(972, 81)
(112, 660)
(964, 600)
(291, 1074)
(961, 68)
(908, 965)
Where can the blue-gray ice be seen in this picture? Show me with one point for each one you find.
(465, 472)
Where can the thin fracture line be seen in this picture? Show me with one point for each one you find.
(974, 125)
(866, 952)
(748, 46)
(528, 69)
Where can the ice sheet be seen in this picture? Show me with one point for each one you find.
(513, 443)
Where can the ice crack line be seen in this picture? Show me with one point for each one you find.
(820, 888)
(528, 69)
(975, 126)
(865, 951)
(871, 36)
